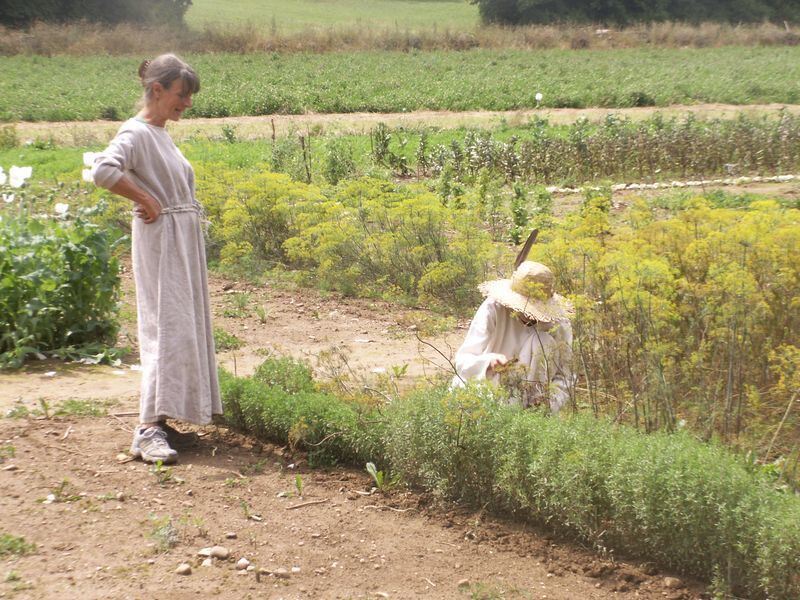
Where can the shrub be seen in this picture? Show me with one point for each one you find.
(372, 237)
(688, 506)
(58, 287)
(678, 318)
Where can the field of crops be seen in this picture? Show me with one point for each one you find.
(300, 14)
(616, 149)
(85, 88)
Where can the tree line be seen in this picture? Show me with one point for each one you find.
(625, 12)
(20, 13)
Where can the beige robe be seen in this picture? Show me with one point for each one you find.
(176, 341)
(544, 350)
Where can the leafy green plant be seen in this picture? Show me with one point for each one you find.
(58, 285)
(298, 485)
(229, 133)
(382, 482)
(225, 341)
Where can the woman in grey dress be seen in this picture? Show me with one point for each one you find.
(179, 376)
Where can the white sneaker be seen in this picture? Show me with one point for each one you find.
(151, 446)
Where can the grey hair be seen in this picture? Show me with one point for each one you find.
(165, 69)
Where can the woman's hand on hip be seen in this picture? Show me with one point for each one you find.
(148, 209)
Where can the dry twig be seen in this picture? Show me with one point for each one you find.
(306, 504)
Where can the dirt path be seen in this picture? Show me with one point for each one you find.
(72, 133)
(362, 339)
(120, 529)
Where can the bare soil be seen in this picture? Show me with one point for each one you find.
(119, 528)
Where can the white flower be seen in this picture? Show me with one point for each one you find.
(88, 158)
(538, 96)
(86, 175)
(61, 208)
(2, 176)
(8, 198)
(18, 175)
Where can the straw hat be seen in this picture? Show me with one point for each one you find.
(530, 292)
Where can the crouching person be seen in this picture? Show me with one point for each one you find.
(521, 337)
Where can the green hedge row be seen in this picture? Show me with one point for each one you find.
(24, 12)
(685, 505)
(624, 12)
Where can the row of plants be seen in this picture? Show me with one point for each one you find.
(617, 149)
(61, 88)
(366, 237)
(685, 505)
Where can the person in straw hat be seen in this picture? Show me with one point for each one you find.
(522, 322)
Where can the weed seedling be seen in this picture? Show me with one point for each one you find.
(256, 468)
(298, 485)
(11, 545)
(234, 482)
(163, 474)
(262, 313)
(164, 533)
(63, 492)
(7, 451)
(45, 405)
(379, 477)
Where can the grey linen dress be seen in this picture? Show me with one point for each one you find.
(179, 375)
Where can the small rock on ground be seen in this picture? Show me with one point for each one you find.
(184, 569)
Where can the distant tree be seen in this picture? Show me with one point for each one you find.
(623, 12)
(19, 13)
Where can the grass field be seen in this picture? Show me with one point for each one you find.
(86, 88)
(302, 14)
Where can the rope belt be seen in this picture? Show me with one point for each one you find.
(191, 207)
(182, 208)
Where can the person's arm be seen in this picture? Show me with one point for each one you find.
(147, 208)
(562, 381)
(472, 359)
(109, 169)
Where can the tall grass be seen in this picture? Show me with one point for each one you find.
(249, 36)
(667, 498)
